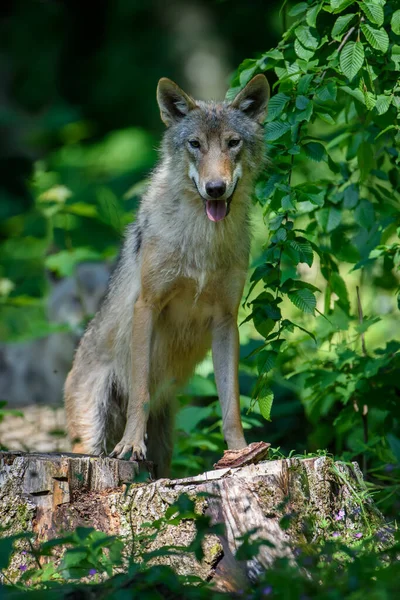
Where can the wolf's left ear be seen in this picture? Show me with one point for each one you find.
(253, 98)
(173, 102)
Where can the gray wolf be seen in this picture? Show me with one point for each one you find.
(178, 284)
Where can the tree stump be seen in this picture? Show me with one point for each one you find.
(284, 503)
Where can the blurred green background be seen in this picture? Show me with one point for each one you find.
(79, 130)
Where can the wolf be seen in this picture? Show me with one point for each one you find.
(177, 287)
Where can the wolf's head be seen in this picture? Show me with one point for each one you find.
(221, 145)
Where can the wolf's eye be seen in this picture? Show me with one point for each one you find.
(194, 143)
(234, 142)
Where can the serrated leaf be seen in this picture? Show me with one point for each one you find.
(265, 189)
(327, 93)
(276, 106)
(315, 151)
(382, 104)
(306, 37)
(302, 52)
(341, 25)
(374, 12)
(351, 59)
(377, 38)
(266, 361)
(395, 22)
(280, 235)
(304, 300)
(265, 401)
(276, 130)
(370, 100)
(306, 253)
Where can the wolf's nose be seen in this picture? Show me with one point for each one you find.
(215, 189)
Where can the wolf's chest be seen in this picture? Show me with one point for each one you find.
(192, 304)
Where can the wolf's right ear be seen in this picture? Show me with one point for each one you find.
(173, 102)
(253, 98)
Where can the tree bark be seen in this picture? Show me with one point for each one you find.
(284, 503)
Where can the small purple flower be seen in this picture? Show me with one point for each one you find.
(267, 590)
(389, 468)
(23, 552)
(335, 534)
(358, 535)
(22, 567)
(92, 571)
(340, 515)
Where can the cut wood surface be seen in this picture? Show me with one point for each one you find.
(48, 494)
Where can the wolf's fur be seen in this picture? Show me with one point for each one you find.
(177, 287)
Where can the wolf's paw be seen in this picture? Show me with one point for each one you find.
(129, 450)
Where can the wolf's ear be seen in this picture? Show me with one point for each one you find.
(253, 98)
(173, 102)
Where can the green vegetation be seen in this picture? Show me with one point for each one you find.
(320, 335)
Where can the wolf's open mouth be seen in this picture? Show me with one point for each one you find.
(216, 210)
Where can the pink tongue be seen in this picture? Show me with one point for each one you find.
(216, 210)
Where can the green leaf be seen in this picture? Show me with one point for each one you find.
(276, 130)
(326, 117)
(374, 12)
(328, 218)
(302, 102)
(327, 93)
(351, 196)
(377, 38)
(382, 104)
(304, 83)
(356, 93)
(306, 252)
(276, 106)
(340, 25)
(364, 214)
(339, 5)
(266, 361)
(302, 52)
(303, 299)
(306, 37)
(395, 22)
(298, 9)
(351, 59)
(312, 15)
(315, 151)
(265, 401)
(366, 160)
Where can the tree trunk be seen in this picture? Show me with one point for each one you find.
(285, 503)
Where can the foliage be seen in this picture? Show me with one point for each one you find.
(331, 197)
(333, 568)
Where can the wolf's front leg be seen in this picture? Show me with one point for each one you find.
(225, 350)
(133, 439)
